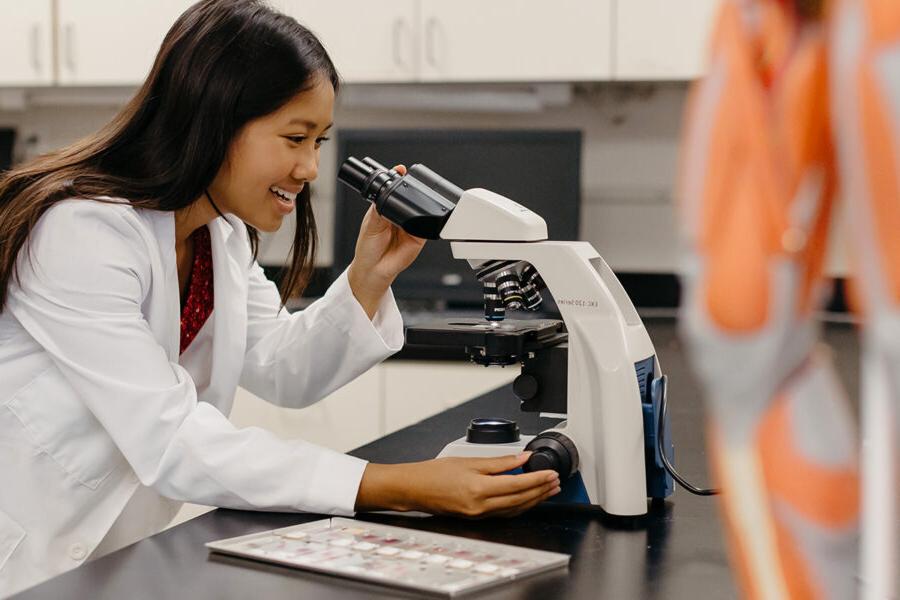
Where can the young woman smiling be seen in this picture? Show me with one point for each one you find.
(131, 308)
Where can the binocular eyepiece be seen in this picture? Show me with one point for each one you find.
(420, 202)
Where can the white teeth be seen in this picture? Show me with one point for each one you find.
(286, 195)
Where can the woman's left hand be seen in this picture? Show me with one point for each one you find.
(383, 250)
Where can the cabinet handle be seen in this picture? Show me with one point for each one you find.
(430, 51)
(70, 46)
(35, 36)
(397, 33)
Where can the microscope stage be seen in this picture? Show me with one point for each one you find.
(490, 342)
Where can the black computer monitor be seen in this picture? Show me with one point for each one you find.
(539, 169)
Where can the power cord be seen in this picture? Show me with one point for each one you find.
(661, 445)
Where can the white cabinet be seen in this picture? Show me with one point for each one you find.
(462, 40)
(111, 42)
(26, 43)
(367, 41)
(516, 40)
(662, 39)
(382, 400)
(346, 419)
(416, 390)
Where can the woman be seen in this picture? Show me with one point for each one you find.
(110, 414)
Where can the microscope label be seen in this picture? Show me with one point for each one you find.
(584, 303)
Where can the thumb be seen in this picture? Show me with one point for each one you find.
(502, 464)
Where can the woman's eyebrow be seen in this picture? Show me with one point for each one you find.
(307, 124)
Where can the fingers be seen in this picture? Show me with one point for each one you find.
(400, 169)
(501, 485)
(515, 512)
(518, 503)
(500, 464)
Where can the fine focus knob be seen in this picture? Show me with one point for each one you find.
(525, 387)
(552, 450)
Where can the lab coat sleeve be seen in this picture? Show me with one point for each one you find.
(295, 360)
(80, 296)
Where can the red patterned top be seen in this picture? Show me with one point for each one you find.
(199, 303)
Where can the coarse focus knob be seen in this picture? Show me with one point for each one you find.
(525, 387)
(554, 451)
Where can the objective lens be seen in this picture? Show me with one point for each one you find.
(509, 290)
(493, 305)
(532, 284)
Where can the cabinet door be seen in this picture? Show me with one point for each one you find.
(26, 43)
(516, 40)
(368, 41)
(416, 390)
(662, 39)
(111, 42)
(346, 419)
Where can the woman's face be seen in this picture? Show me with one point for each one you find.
(273, 157)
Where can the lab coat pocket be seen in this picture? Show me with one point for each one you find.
(59, 424)
(11, 535)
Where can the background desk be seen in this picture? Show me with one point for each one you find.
(676, 552)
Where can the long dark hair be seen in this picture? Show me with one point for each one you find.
(222, 64)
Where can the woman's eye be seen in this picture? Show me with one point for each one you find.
(299, 139)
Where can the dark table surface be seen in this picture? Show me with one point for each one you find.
(676, 551)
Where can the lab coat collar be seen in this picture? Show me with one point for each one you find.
(231, 261)
(231, 264)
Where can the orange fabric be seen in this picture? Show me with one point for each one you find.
(881, 157)
(740, 222)
(826, 496)
(736, 550)
(769, 137)
(805, 136)
(883, 21)
(800, 585)
(758, 147)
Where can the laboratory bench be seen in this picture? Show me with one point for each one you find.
(675, 551)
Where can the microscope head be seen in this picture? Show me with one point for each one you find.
(426, 205)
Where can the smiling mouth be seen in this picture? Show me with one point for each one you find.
(284, 197)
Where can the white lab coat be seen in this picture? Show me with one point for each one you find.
(99, 411)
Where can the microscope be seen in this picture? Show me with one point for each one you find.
(596, 368)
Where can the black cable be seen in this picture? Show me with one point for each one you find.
(661, 447)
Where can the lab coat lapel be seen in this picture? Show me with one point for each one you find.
(231, 260)
(163, 307)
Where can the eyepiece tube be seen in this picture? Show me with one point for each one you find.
(420, 201)
(354, 173)
(443, 187)
(374, 164)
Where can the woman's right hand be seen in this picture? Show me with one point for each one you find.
(468, 487)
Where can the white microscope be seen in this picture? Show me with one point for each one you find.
(596, 368)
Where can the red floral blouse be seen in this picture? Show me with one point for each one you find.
(199, 303)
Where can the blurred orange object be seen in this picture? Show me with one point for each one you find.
(801, 99)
